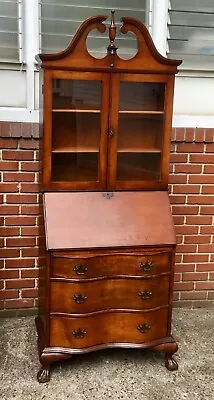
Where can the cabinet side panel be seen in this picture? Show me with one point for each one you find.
(167, 130)
(47, 130)
(171, 288)
(44, 272)
(42, 263)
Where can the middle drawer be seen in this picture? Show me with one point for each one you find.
(105, 294)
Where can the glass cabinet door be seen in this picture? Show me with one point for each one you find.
(77, 137)
(139, 134)
(140, 129)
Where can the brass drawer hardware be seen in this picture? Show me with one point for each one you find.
(79, 298)
(143, 328)
(145, 295)
(79, 333)
(108, 195)
(146, 266)
(80, 269)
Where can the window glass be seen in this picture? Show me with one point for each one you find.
(59, 22)
(9, 30)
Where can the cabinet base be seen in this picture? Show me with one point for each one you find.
(46, 357)
(49, 355)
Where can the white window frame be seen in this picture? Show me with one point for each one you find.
(159, 25)
(29, 27)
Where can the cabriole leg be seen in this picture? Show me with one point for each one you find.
(169, 349)
(43, 375)
(170, 363)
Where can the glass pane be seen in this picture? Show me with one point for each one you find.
(76, 130)
(8, 24)
(140, 131)
(76, 94)
(190, 33)
(9, 31)
(142, 96)
(74, 167)
(9, 8)
(138, 167)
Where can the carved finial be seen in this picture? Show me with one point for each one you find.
(112, 49)
(112, 28)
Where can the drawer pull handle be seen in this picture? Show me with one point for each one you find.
(79, 333)
(79, 298)
(145, 295)
(111, 133)
(146, 266)
(80, 269)
(143, 328)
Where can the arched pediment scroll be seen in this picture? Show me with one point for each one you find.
(77, 57)
(146, 47)
(76, 53)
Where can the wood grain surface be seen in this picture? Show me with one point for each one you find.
(89, 220)
(108, 264)
(108, 327)
(106, 294)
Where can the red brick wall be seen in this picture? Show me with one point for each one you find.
(191, 195)
(192, 199)
(19, 165)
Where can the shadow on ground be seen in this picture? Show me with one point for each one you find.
(115, 373)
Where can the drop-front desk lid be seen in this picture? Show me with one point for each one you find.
(97, 219)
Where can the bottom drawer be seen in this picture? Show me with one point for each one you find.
(108, 327)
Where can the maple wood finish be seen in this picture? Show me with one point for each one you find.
(108, 276)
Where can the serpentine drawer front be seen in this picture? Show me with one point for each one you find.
(103, 294)
(145, 263)
(108, 327)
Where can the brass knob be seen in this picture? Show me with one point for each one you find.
(79, 298)
(80, 269)
(146, 266)
(143, 328)
(145, 295)
(79, 333)
(111, 133)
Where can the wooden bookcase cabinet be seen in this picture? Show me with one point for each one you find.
(96, 147)
(106, 125)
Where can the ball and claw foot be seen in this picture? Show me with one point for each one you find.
(43, 375)
(170, 363)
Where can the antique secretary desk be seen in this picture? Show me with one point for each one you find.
(107, 279)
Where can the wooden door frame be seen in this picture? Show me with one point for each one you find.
(112, 182)
(47, 183)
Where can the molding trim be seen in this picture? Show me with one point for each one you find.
(193, 121)
(10, 114)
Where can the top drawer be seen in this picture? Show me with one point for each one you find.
(140, 264)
